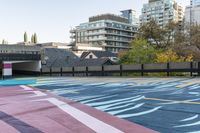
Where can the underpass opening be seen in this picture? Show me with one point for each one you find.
(26, 68)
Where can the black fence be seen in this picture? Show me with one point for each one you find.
(191, 67)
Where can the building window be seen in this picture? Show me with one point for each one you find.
(91, 57)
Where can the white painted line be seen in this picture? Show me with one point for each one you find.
(105, 102)
(95, 99)
(26, 88)
(191, 118)
(39, 94)
(189, 125)
(91, 122)
(103, 107)
(117, 107)
(194, 132)
(129, 99)
(127, 109)
(140, 113)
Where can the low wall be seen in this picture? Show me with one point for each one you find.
(139, 68)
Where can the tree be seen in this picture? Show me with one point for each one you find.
(171, 56)
(25, 37)
(141, 52)
(4, 41)
(187, 42)
(35, 38)
(32, 39)
(159, 37)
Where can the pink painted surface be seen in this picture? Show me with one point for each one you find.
(7, 66)
(23, 111)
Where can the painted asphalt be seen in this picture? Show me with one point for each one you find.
(168, 105)
(24, 109)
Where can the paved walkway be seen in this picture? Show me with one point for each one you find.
(25, 109)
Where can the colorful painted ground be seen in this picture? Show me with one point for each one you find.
(168, 105)
(25, 109)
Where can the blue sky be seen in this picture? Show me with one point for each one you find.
(52, 19)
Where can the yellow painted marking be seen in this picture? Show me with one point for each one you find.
(166, 100)
(188, 84)
(149, 80)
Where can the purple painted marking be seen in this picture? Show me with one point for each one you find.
(7, 66)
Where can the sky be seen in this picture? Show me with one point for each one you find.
(52, 19)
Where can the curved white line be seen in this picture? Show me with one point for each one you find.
(128, 109)
(103, 107)
(194, 132)
(189, 125)
(194, 93)
(140, 113)
(114, 101)
(94, 99)
(118, 107)
(190, 118)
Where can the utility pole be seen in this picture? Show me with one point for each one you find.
(191, 12)
(191, 4)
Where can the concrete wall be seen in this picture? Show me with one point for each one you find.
(79, 69)
(132, 67)
(95, 68)
(67, 69)
(159, 66)
(180, 65)
(112, 68)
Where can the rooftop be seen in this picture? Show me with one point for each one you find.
(108, 17)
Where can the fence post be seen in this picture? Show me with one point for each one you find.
(50, 71)
(168, 69)
(87, 71)
(191, 69)
(73, 72)
(61, 72)
(121, 70)
(198, 68)
(142, 70)
(102, 72)
(40, 71)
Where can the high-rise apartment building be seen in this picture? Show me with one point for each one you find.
(195, 2)
(112, 32)
(162, 11)
(131, 16)
(192, 13)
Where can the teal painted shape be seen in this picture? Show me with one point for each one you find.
(17, 82)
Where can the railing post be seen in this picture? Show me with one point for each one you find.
(40, 71)
(121, 70)
(102, 72)
(198, 68)
(50, 71)
(87, 71)
(191, 69)
(168, 69)
(142, 70)
(61, 72)
(73, 72)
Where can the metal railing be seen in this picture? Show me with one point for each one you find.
(18, 56)
(191, 67)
